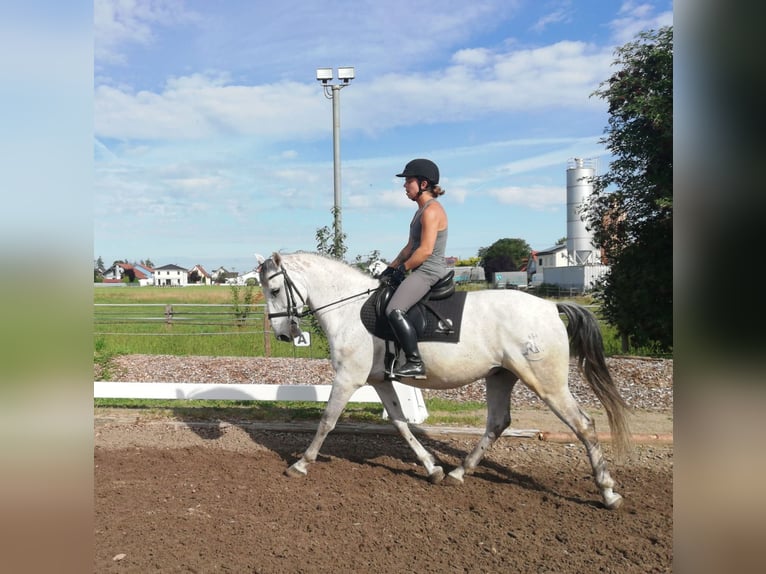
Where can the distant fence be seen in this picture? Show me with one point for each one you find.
(170, 320)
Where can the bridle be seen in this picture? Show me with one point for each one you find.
(293, 295)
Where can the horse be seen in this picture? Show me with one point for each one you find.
(507, 336)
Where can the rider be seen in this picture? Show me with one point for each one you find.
(423, 256)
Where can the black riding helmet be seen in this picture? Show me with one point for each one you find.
(422, 168)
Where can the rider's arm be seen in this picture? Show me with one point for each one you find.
(404, 254)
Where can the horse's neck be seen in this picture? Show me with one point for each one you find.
(328, 284)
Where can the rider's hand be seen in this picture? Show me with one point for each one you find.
(392, 276)
(387, 272)
(399, 274)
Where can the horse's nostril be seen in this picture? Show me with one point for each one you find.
(284, 338)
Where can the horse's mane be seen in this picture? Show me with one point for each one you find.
(331, 261)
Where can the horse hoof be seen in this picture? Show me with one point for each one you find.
(436, 476)
(295, 472)
(452, 480)
(613, 501)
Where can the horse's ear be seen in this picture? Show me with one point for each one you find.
(276, 258)
(260, 259)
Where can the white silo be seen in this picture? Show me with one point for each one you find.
(580, 248)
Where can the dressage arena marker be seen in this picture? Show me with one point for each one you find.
(411, 398)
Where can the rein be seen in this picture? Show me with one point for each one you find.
(292, 307)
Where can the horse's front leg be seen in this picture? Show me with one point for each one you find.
(393, 406)
(339, 396)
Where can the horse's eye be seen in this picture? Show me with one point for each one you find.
(275, 292)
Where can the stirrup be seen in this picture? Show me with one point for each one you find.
(410, 371)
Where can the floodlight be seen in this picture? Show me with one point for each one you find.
(324, 75)
(346, 74)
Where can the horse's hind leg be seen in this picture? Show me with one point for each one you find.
(564, 405)
(393, 407)
(499, 387)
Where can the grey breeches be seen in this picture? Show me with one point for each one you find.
(412, 290)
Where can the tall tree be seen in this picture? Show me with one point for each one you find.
(331, 243)
(503, 255)
(363, 262)
(631, 210)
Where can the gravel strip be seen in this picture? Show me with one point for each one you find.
(645, 384)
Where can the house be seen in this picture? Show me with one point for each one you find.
(221, 275)
(147, 272)
(126, 272)
(171, 275)
(538, 261)
(555, 256)
(553, 266)
(198, 276)
(245, 277)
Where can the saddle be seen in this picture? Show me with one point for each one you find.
(436, 317)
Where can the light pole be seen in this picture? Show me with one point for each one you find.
(332, 92)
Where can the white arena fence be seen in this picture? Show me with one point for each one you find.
(410, 398)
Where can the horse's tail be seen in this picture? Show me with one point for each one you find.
(587, 343)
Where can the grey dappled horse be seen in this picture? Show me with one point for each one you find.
(507, 335)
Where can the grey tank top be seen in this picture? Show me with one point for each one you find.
(435, 265)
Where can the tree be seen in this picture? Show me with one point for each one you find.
(330, 243)
(363, 262)
(503, 255)
(631, 209)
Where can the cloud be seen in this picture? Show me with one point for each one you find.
(635, 17)
(118, 23)
(534, 197)
(476, 84)
(562, 13)
(206, 106)
(380, 199)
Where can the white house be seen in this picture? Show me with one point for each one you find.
(198, 276)
(242, 279)
(555, 256)
(554, 266)
(171, 276)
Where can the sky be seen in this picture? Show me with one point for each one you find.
(213, 141)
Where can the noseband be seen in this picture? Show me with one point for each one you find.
(292, 296)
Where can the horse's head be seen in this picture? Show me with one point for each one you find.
(284, 302)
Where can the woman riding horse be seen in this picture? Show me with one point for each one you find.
(423, 256)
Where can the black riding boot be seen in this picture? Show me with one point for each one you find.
(408, 339)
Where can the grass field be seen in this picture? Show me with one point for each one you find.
(207, 320)
(218, 321)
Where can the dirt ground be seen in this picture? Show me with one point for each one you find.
(181, 497)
